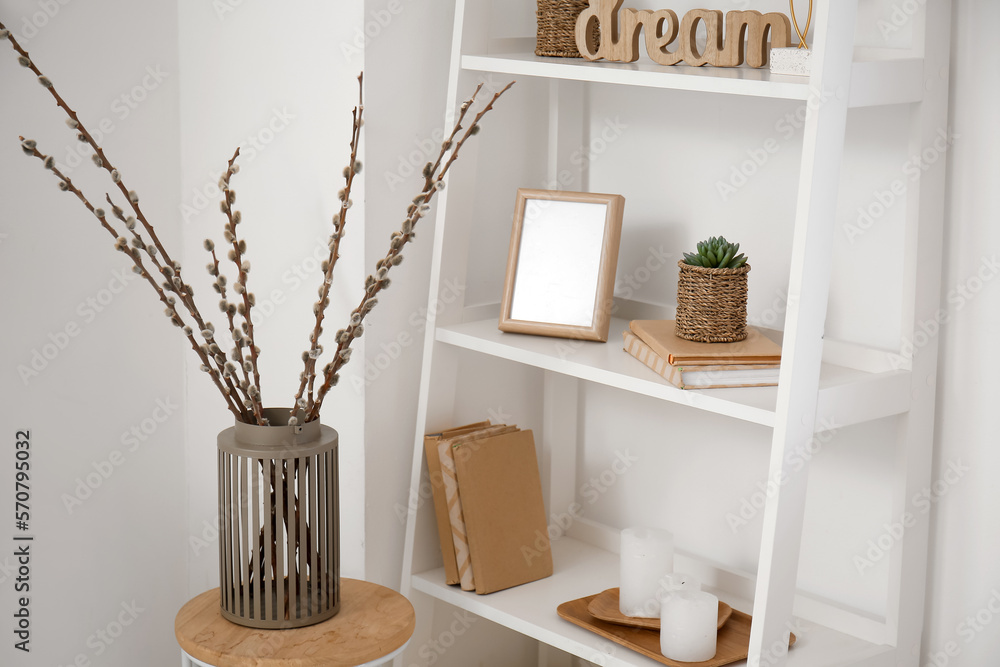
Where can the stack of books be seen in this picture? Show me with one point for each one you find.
(488, 502)
(686, 364)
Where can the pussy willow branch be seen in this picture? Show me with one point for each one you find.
(230, 311)
(129, 222)
(434, 173)
(134, 254)
(103, 160)
(174, 281)
(243, 269)
(310, 357)
(168, 285)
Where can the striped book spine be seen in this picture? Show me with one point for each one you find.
(458, 532)
(645, 354)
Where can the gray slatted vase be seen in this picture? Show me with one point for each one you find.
(279, 551)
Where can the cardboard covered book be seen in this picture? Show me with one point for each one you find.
(713, 376)
(501, 491)
(440, 501)
(456, 512)
(659, 335)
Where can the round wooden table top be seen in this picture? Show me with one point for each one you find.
(373, 621)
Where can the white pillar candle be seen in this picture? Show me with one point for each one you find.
(689, 626)
(647, 554)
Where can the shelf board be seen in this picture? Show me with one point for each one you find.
(582, 569)
(875, 80)
(847, 396)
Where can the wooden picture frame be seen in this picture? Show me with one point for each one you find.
(561, 264)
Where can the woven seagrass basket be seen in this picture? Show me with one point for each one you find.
(557, 28)
(712, 304)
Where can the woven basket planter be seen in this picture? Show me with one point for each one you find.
(557, 28)
(712, 304)
(279, 546)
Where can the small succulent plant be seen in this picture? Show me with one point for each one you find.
(716, 253)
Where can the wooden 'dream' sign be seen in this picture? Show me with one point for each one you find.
(746, 35)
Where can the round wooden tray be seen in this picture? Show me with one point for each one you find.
(605, 607)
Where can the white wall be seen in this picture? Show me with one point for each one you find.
(964, 587)
(123, 543)
(406, 106)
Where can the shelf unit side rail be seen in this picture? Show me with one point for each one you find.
(798, 387)
(424, 391)
(925, 211)
(470, 25)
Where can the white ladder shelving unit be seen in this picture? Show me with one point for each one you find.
(820, 380)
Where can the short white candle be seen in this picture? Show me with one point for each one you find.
(647, 554)
(689, 626)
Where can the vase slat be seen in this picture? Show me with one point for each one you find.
(226, 512)
(324, 527)
(269, 563)
(278, 545)
(333, 511)
(300, 476)
(223, 570)
(234, 495)
(256, 545)
(243, 475)
(290, 540)
(314, 536)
